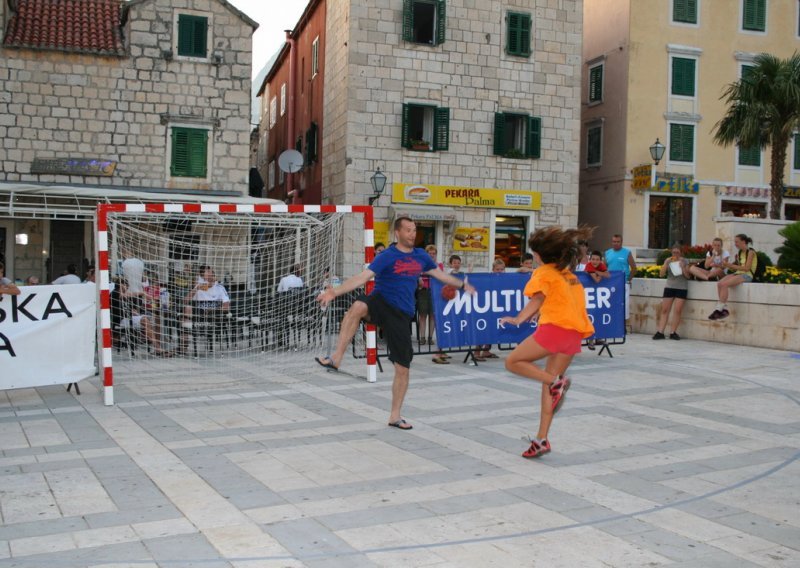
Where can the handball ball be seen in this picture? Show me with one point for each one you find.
(448, 292)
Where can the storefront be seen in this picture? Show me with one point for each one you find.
(478, 224)
(671, 210)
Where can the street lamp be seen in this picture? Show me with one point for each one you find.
(378, 181)
(657, 151)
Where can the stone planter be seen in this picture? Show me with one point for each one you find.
(762, 315)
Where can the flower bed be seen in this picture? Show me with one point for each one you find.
(773, 274)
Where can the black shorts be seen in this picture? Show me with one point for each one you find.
(396, 328)
(675, 293)
(424, 302)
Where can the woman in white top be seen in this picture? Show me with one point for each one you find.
(713, 267)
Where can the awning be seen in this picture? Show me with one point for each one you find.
(420, 213)
(79, 202)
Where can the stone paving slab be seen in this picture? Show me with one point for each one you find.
(671, 453)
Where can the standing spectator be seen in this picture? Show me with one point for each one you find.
(619, 258)
(90, 277)
(483, 352)
(424, 302)
(712, 268)
(292, 280)
(32, 280)
(379, 248)
(133, 272)
(390, 305)
(583, 256)
(676, 268)
(596, 268)
(6, 285)
(527, 264)
(71, 277)
(743, 270)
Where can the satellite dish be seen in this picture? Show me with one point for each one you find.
(290, 161)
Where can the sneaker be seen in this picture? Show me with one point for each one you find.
(538, 448)
(557, 390)
(674, 335)
(723, 314)
(659, 335)
(714, 315)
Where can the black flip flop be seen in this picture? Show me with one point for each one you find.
(329, 365)
(401, 424)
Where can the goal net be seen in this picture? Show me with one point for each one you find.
(222, 295)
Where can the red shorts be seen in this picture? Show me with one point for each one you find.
(558, 340)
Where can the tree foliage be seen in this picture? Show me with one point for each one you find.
(789, 251)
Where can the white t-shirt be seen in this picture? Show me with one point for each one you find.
(67, 279)
(289, 282)
(133, 271)
(217, 293)
(725, 256)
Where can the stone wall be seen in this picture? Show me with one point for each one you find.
(762, 315)
(61, 105)
(764, 233)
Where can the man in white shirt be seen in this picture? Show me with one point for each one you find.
(133, 272)
(292, 280)
(71, 277)
(208, 298)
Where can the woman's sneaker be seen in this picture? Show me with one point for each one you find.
(557, 390)
(723, 314)
(538, 448)
(659, 335)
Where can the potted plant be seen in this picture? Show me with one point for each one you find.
(418, 144)
(515, 153)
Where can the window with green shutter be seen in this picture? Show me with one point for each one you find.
(192, 35)
(684, 11)
(594, 146)
(517, 135)
(311, 144)
(425, 128)
(750, 156)
(683, 76)
(424, 21)
(518, 34)
(596, 84)
(681, 143)
(189, 152)
(797, 151)
(754, 15)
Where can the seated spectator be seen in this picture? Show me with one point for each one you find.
(712, 268)
(32, 280)
(292, 280)
(742, 269)
(208, 299)
(71, 277)
(132, 317)
(6, 285)
(527, 263)
(89, 275)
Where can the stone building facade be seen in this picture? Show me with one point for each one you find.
(151, 95)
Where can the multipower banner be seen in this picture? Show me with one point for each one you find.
(47, 335)
(469, 320)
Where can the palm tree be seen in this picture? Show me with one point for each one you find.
(764, 110)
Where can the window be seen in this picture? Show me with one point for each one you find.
(423, 21)
(189, 152)
(273, 111)
(596, 84)
(518, 34)
(594, 146)
(425, 127)
(754, 15)
(271, 175)
(517, 135)
(681, 142)
(283, 99)
(750, 156)
(797, 151)
(684, 11)
(746, 70)
(683, 76)
(192, 35)
(311, 144)
(315, 57)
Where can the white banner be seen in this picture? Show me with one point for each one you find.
(47, 335)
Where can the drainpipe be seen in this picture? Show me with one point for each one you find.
(293, 191)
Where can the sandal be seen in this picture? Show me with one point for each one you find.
(328, 365)
(478, 358)
(441, 361)
(401, 424)
(489, 355)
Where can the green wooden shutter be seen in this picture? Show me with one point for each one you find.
(499, 134)
(441, 129)
(594, 144)
(404, 137)
(198, 152)
(408, 20)
(797, 151)
(440, 21)
(518, 34)
(596, 84)
(681, 142)
(684, 11)
(750, 156)
(683, 76)
(525, 35)
(755, 15)
(534, 142)
(179, 165)
(192, 35)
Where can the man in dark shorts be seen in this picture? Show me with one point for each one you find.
(390, 305)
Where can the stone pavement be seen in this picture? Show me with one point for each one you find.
(671, 453)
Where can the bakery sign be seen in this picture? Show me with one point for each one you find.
(452, 195)
(475, 239)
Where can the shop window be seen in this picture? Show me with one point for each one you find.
(670, 221)
(426, 234)
(189, 152)
(750, 156)
(509, 239)
(744, 209)
(681, 143)
(594, 146)
(518, 34)
(791, 211)
(192, 35)
(425, 128)
(683, 70)
(424, 21)
(596, 84)
(754, 15)
(517, 135)
(684, 11)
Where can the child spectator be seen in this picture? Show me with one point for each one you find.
(596, 268)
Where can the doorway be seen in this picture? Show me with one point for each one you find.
(670, 221)
(510, 235)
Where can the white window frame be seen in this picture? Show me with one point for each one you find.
(209, 152)
(672, 57)
(209, 35)
(740, 25)
(283, 99)
(315, 57)
(684, 24)
(273, 111)
(669, 162)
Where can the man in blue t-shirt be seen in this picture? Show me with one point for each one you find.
(620, 258)
(389, 305)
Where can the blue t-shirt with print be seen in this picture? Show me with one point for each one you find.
(396, 275)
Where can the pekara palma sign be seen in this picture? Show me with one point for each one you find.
(47, 335)
(458, 196)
